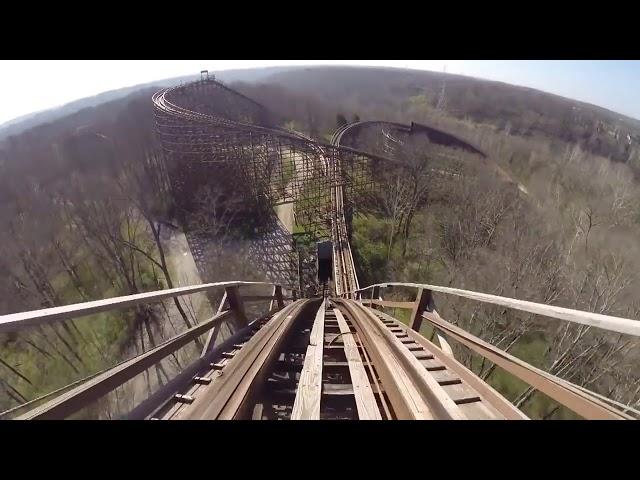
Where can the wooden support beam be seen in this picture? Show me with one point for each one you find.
(444, 346)
(273, 293)
(73, 400)
(374, 296)
(229, 387)
(278, 295)
(236, 306)
(213, 334)
(362, 391)
(558, 389)
(423, 299)
(307, 403)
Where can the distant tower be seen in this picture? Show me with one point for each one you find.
(442, 99)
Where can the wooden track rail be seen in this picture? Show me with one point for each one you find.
(315, 358)
(70, 400)
(581, 401)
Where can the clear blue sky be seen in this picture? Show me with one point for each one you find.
(27, 85)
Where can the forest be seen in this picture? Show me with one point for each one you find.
(552, 215)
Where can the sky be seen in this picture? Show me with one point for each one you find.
(28, 86)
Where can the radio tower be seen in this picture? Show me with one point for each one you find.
(442, 99)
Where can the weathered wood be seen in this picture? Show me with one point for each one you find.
(389, 303)
(439, 402)
(237, 407)
(606, 322)
(403, 395)
(225, 383)
(236, 306)
(183, 398)
(17, 321)
(73, 400)
(444, 367)
(257, 411)
(362, 391)
(423, 298)
(159, 400)
(560, 390)
(444, 346)
(278, 297)
(273, 293)
(306, 405)
(213, 334)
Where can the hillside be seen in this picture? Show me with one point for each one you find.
(31, 120)
(388, 93)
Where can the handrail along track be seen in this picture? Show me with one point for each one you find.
(306, 358)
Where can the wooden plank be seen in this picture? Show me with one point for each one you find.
(240, 400)
(225, 384)
(73, 400)
(439, 402)
(17, 321)
(271, 304)
(423, 298)
(606, 322)
(390, 304)
(445, 376)
(503, 407)
(403, 395)
(560, 390)
(338, 389)
(444, 346)
(461, 393)
(422, 355)
(362, 391)
(236, 305)
(309, 392)
(257, 412)
(432, 365)
(278, 297)
(213, 334)
(480, 411)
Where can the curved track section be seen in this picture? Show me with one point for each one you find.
(221, 145)
(347, 134)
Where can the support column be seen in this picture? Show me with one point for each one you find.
(237, 306)
(423, 301)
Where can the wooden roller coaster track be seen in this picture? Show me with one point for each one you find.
(315, 358)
